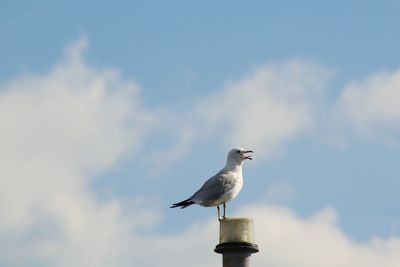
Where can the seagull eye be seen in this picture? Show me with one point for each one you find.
(238, 151)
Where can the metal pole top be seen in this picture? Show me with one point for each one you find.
(236, 235)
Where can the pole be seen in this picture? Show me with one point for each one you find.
(236, 242)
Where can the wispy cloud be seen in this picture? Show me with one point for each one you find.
(265, 109)
(58, 130)
(61, 128)
(371, 107)
(288, 240)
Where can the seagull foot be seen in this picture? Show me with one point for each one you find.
(222, 218)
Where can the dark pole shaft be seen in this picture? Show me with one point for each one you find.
(236, 260)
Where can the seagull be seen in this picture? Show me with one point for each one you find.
(222, 187)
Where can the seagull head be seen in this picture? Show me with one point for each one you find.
(238, 155)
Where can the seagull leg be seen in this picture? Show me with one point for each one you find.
(219, 217)
(223, 214)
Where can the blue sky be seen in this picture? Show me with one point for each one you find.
(112, 111)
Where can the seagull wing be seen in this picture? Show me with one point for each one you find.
(215, 187)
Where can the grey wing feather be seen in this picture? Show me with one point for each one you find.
(215, 187)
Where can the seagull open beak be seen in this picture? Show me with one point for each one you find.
(245, 154)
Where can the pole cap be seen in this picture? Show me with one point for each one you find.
(236, 230)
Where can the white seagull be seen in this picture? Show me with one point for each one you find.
(222, 187)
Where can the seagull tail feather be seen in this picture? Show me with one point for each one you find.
(183, 204)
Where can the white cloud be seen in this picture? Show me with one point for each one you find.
(176, 133)
(262, 111)
(284, 239)
(287, 240)
(272, 105)
(61, 128)
(372, 107)
(58, 130)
